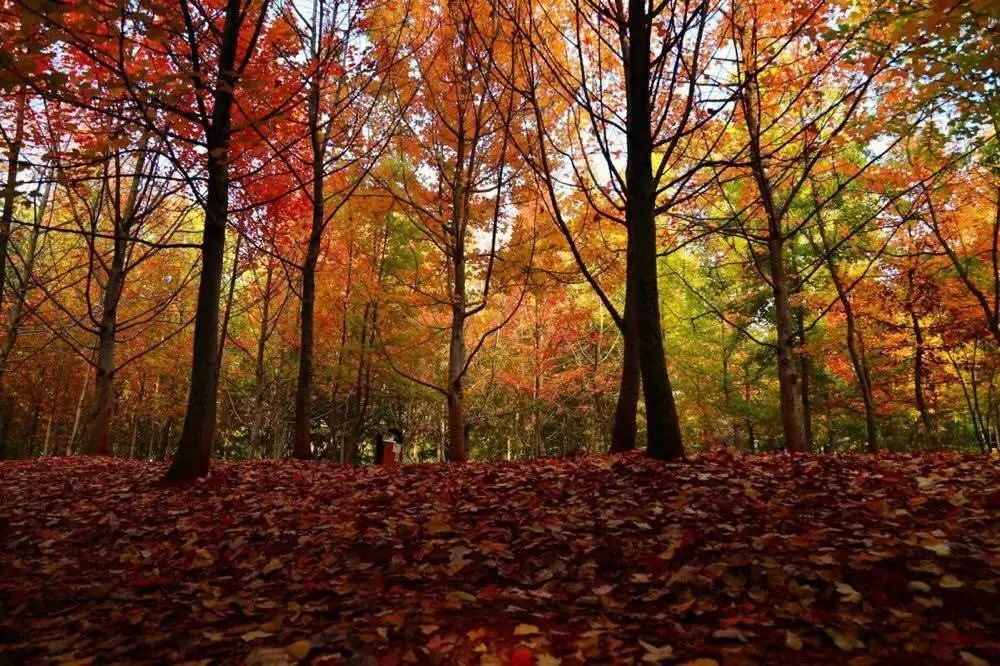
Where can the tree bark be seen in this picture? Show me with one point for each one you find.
(99, 443)
(805, 371)
(623, 430)
(788, 380)
(919, 371)
(10, 186)
(194, 450)
(663, 433)
(302, 444)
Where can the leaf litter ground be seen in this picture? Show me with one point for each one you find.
(728, 560)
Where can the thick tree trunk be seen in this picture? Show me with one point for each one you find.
(623, 430)
(194, 450)
(663, 433)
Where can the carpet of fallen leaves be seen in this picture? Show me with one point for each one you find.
(727, 560)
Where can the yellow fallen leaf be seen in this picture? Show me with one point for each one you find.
(525, 630)
(656, 654)
(949, 582)
(919, 586)
(938, 548)
(438, 524)
(299, 649)
(972, 660)
(254, 635)
(845, 640)
(793, 641)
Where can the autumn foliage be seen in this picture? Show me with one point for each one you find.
(510, 232)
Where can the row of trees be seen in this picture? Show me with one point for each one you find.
(496, 224)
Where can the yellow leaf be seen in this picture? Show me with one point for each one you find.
(254, 635)
(938, 548)
(438, 524)
(656, 654)
(299, 649)
(971, 659)
(949, 582)
(793, 641)
(525, 630)
(845, 640)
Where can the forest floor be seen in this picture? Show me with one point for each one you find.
(729, 560)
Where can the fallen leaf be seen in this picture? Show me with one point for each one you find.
(525, 630)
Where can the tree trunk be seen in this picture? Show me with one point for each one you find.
(788, 379)
(79, 411)
(456, 409)
(623, 430)
(227, 313)
(918, 377)
(104, 384)
(302, 445)
(805, 371)
(10, 186)
(663, 433)
(14, 315)
(258, 369)
(194, 450)
(859, 360)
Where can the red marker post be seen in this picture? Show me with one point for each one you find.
(391, 450)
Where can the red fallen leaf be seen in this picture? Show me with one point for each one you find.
(148, 582)
(488, 592)
(535, 539)
(522, 656)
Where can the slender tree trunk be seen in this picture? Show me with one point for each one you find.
(230, 297)
(302, 445)
(194, 450)
(788, 379)
(14, 318)
(805, 371)
(456, 362)
(536, 406)
(918, 376)
(10, 186)
(258, 369)
(104, 383)
(859, 360)
(79, 411)
(663, 432)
